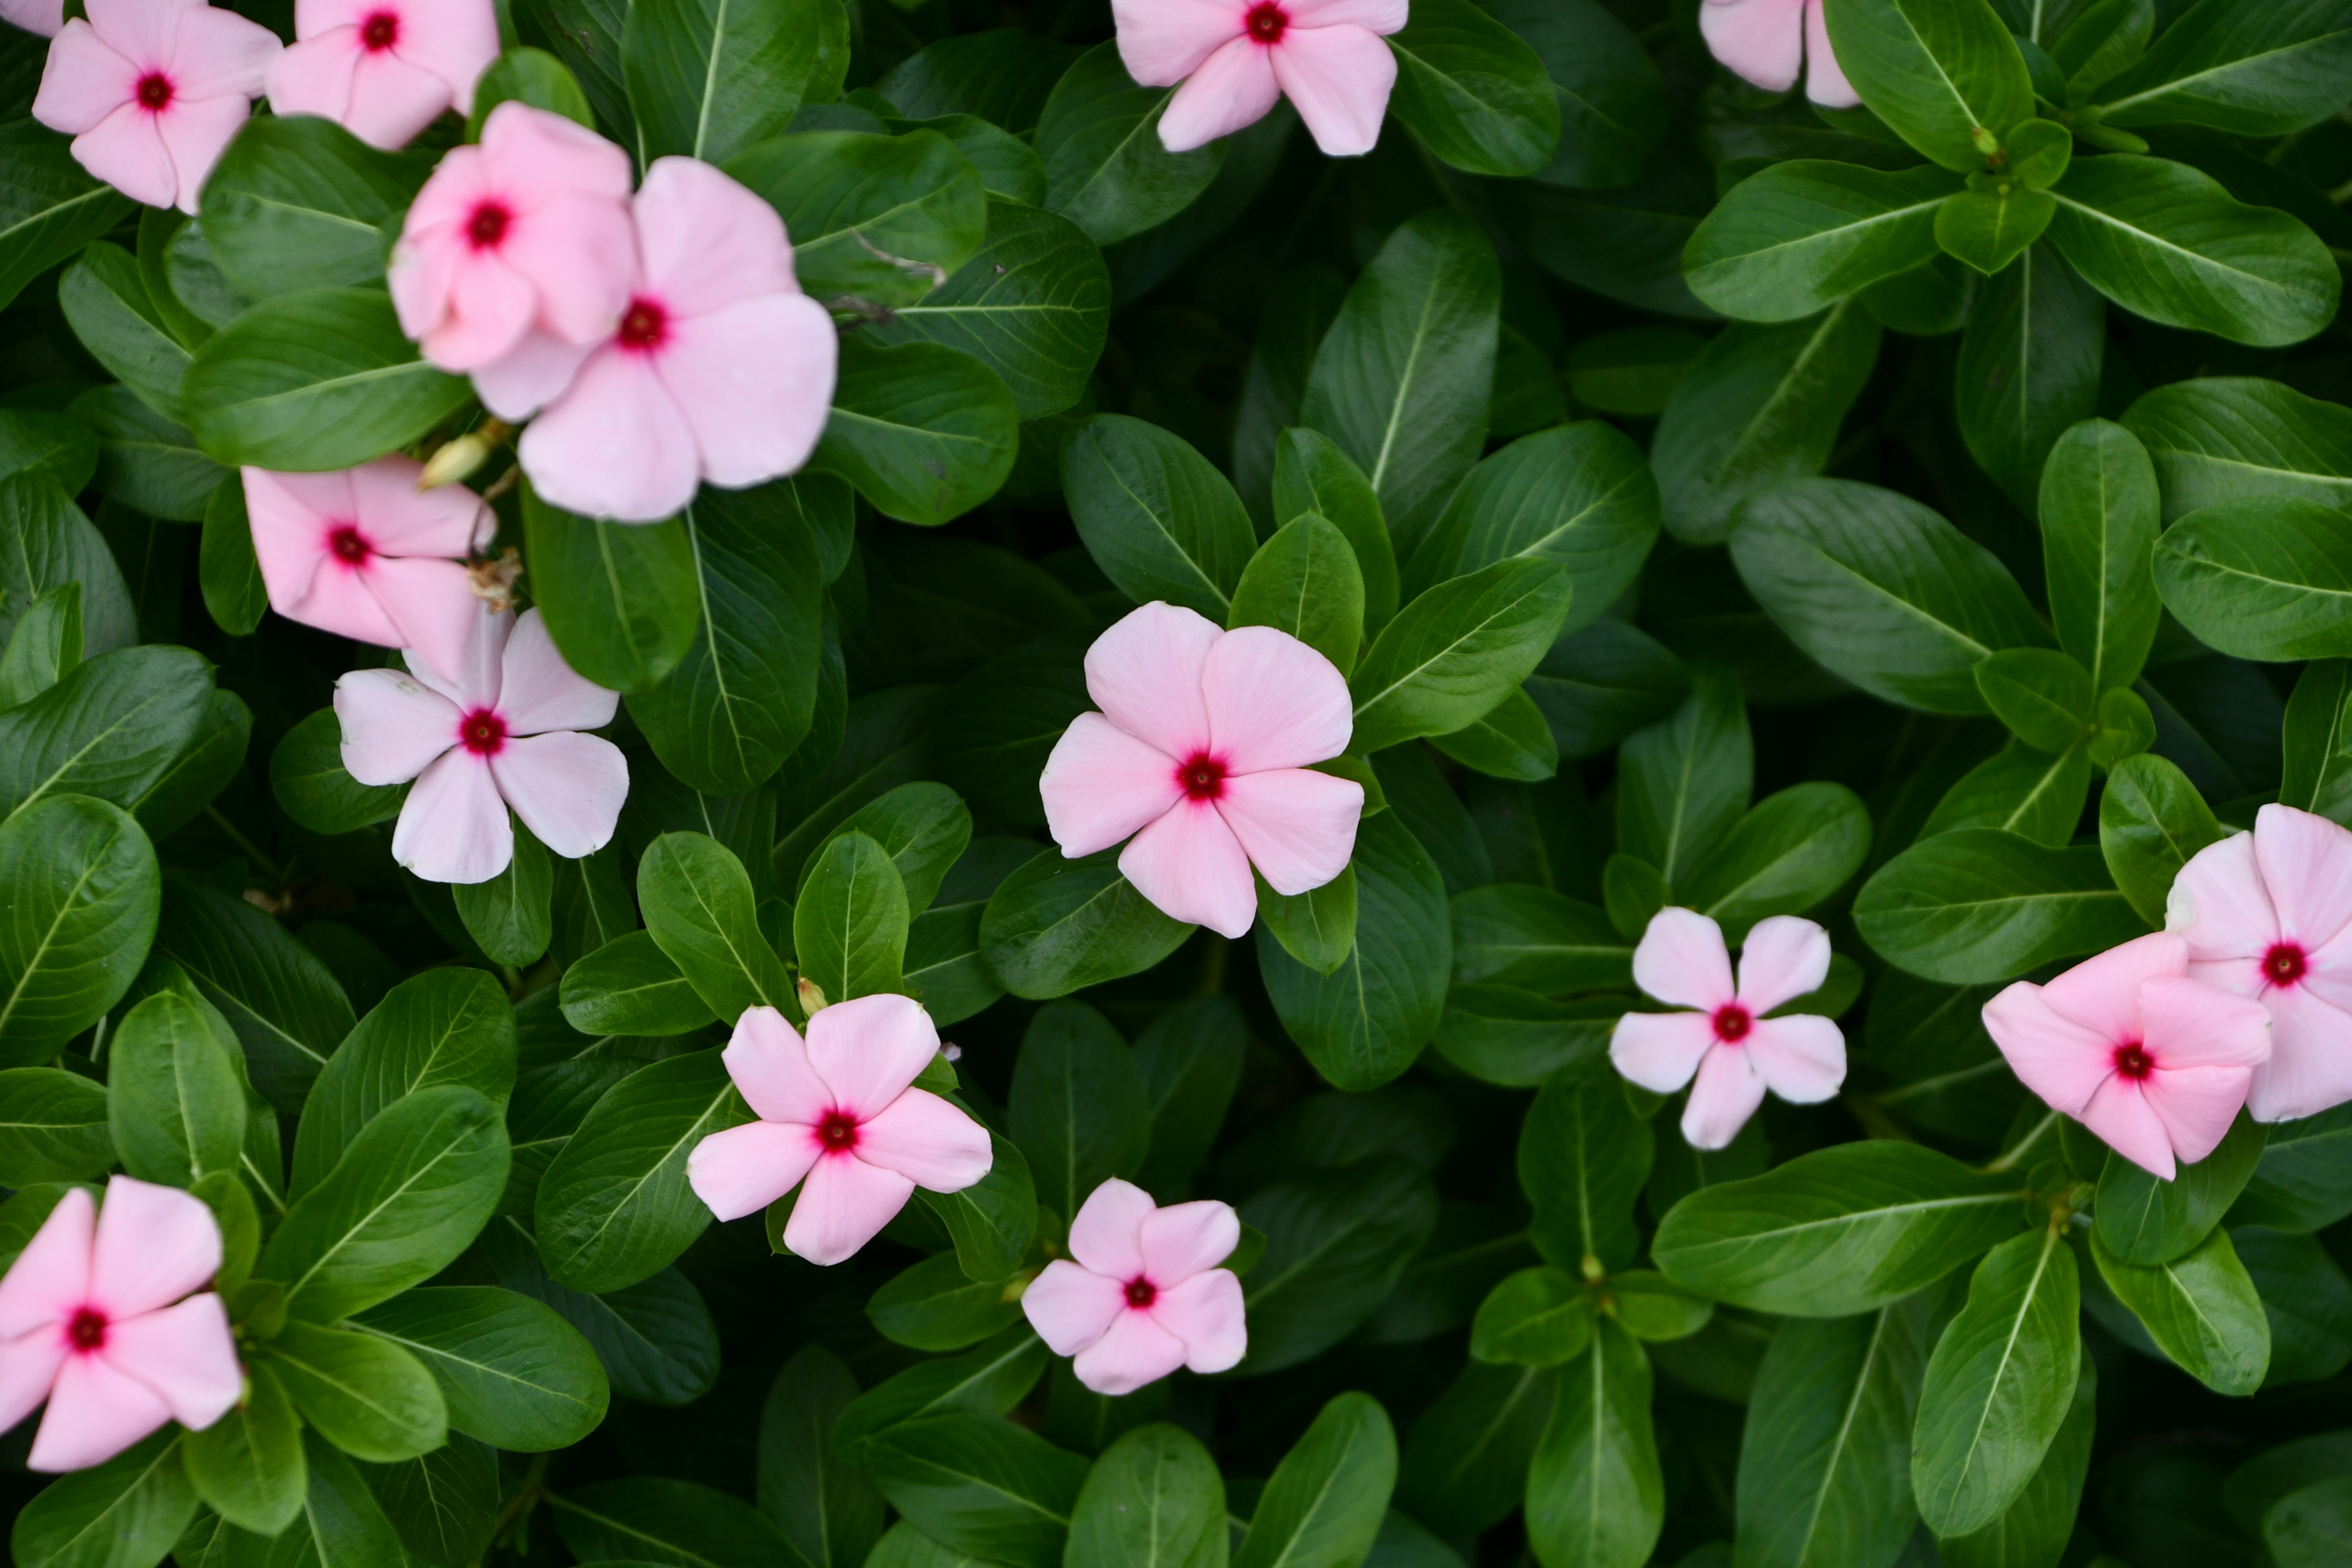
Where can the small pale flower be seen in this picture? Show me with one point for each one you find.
(2154, 1061)
(501, 729)
(1725, 1047)
(1765, 42)
(839, 1119)
(1235, 58)
(385, 68)
(1200, 755)
(1142, 1293)
(96, 1317)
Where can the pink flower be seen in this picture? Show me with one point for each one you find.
(839, 1119)
(501, 730)
(87, 1322)
(150, 91)
(1201, 752)
(366, 555)
(2153, 1061)
(1726, 1050)
(42, 16)
(1145, 1295)
(2268, 914)
(385, 68)
(518, 246)
(721, 369)
(1236, 56)
(1765, 40)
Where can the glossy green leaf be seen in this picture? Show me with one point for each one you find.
(1941, 73)
(1798, 237)
(79, 887)
(1158, 519)
(1979, 904)
(1474, 93)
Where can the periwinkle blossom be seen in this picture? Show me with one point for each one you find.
(2154, 1061)
(1724, 1047)
(1199, 756)
(366, 555)
(152, 91)
(97, 1316)
(42, 16)
(385, 68)
(1235, 58)
(840, 1118)
(502, 729)
(2268, 914)
(1142, 1293)
(1766, 41)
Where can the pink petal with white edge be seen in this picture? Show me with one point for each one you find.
(1102, 785)
(393, 100)
(1723, 1096)
(2310, 1066)
(754, 380)
(1162, 42)
(768, 1063)
(126, 150)
(2194, 1025)
(1681, 958)
(1298, 826)
(928, 1141)
(1273, 701)
(185, 1354)
(1231, 90)
(2218, 904)
(2103, 993)
(83, 82)
(218, 54)
(1783, 958)
(843, 1206)
(28, 1368)
(1144, 673)
(1800, 1057)
(1381, 16)
(2055, 1057)
(706, 242)
(453, 828)
(1191, 867)
(1205, 1312)
(2196, 1106)
(95, 1413)
(567, 788)
(614, 446)
(1133, 1350)
(744, 1168)
(531, 374)
(539, 691)
(1185, 1239)
(41, 17)
(869, 1048)
(50, 1277)
(1660, 1051)
(1071, 1307)
(195, 133)
(431, 604)
(1107, 1233)
(1825, 79)
(1338, 79)
(1760, 41)
(154, 1244)
(2125, 1121)
(2307, 865)
(394, 725)
(400, 520)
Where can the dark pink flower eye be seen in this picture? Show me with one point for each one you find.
(643, 325)
(87, 1330)
(488, 224)
(155, 91)
(482, 732)
(1266, 22)
(2284, 963)
(1732, 1023)
(838, 1132)
(379, 31)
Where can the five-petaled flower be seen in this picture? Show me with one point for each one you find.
(385, 68)
(501, 729)
(1201, 753)
(1765, 42)
(1236, 56)
(366, 555)
(2154, 1061)
(2268, 914)
(151, 90)
(1726, 1048)
(838, 1118)
(1141, 1294)
(96, 1315)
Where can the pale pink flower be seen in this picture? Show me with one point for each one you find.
(502, 728)
(42, 16)
(385, 68)
(1764, 41)
(1726, 1048)
(366, 555)
(840, 1120)
(721, 369)
(1143, 1295)
(1236, 56)
(96, 1317)
(151, 90)
(2154, 1062)
(2268, 914)
(1201, 752)
(519, 247)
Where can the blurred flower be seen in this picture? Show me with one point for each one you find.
(1236, 56)
(1145, 1295)
(1201, 752)
(93, 1318)
(1728, 1050)
(151, 90)
(2268, 914)
(1764, 41)
(500, 729)
(42, 16)
(363, 553)
(385, 68)
(720, 368)
(840, 1120)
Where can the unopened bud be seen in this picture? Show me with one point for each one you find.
(1592, 1268)
(812, 997)
(1986, 142)
(455, 461)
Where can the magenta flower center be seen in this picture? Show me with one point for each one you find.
(379, 31)
(347, 544)
(643, 325)
(2284, 963)
(488, 224)
(2133, 1061)
(837, 1134)
(1141, 1292)
(1266, 22)
(155, 91)
(1732, 1023)
(482, 732)
(1202, 776)
(86, 1330)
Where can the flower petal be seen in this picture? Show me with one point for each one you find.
(219, 55)
(1724, 1095)
(539, 691)
(2310, 1066)
(95, 1413)
(1070, 1308)
(1338, 79)
(195, 132)
(1102, 785)
(394, 725)
(1381, 16)
(1144, 673)
(1205, 1313)
(1191, 867)
(2196, 1106)
(1132, 1351)
(1162, 42)
(1107, 1233)
(1185, 1239)
(2307, 865)
(1681, 958)
(491, 306)
(2122, 1118)
(869, 1048)
(1298, 826)
(453, 828)
(1800, 1057)
(126, 150)
(744, 1168)
(29, 1364)
(50, 1277)
(154, 1244)
(2218, 904)
(707, 242)
(754, 380)
(430, 603)
(529, 375)
(567, 788)
(1761, 41)
(768, 1063)
(2052, 1055)
(185, 1354)
(400, 520)
(1825, 79)
(42, 16)
(83, 80)
(392, 100)
(928, 1141)
(1231, 90)
(2103, 993)
(1273, 701)
(475, 679)
(844, 1203)
(615, 444)
(454, 39)
(2191, 1024)
(1784, 958)
(1661, 1050)
(579, 251)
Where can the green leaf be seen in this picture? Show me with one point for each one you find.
(110, 729)
(2200, 1309)
(248, 1467)
(656, 1337)
(54, 1126)
(1686, 779)
(924, 431)
(146, 461)
(1456, 651)
(1154, 1497)
(1791, 241)
(175, 1097)
(709, 78)
(1537, 939)
(880, 218)
(297, 201)
(924, 829)
(1990, 229)
(991, 1378)
(1612, 103)
(1324, 1503)
(511, 917)
(49, 207)
(1511, 740)
(2305, 1299)
(308, 777)
(629, 986)
(533, 76)
(2046, 697)
(934, 1305)
(1156, 516)
(830, 1513)
(1473, 92)
(1594, 1492)
(45, 542)
(1337, 1242)
(992, 1221)
(1105, 170)
(849, 928)
(1465, 1459)
(649, 1519)
(1190, 1060)
(2267, 72)
(2036, 795)
(78, 881)
(287, 1007)
(1796, 849)
(2222, 438)
(978, 1485)
(1582, 1158)
(1940, 73)
(2263, 579)
(2313, 740)
(124, 1513)
(105, 302)
(2029, 368)
(2037, 1526)
(1055, 926)
(1312, 475)
(624, 601)
(1077, 1106)
(444, 1505)
(1305, 580)
(365, 1395)
(2099, 521)
(2151, 821)
(2310, 1527)
(699, 905)
(2143, 1219)
(614, 1208)
(1977, 905)
(1602, 684)
(513, 1373)
(1537, 1317)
